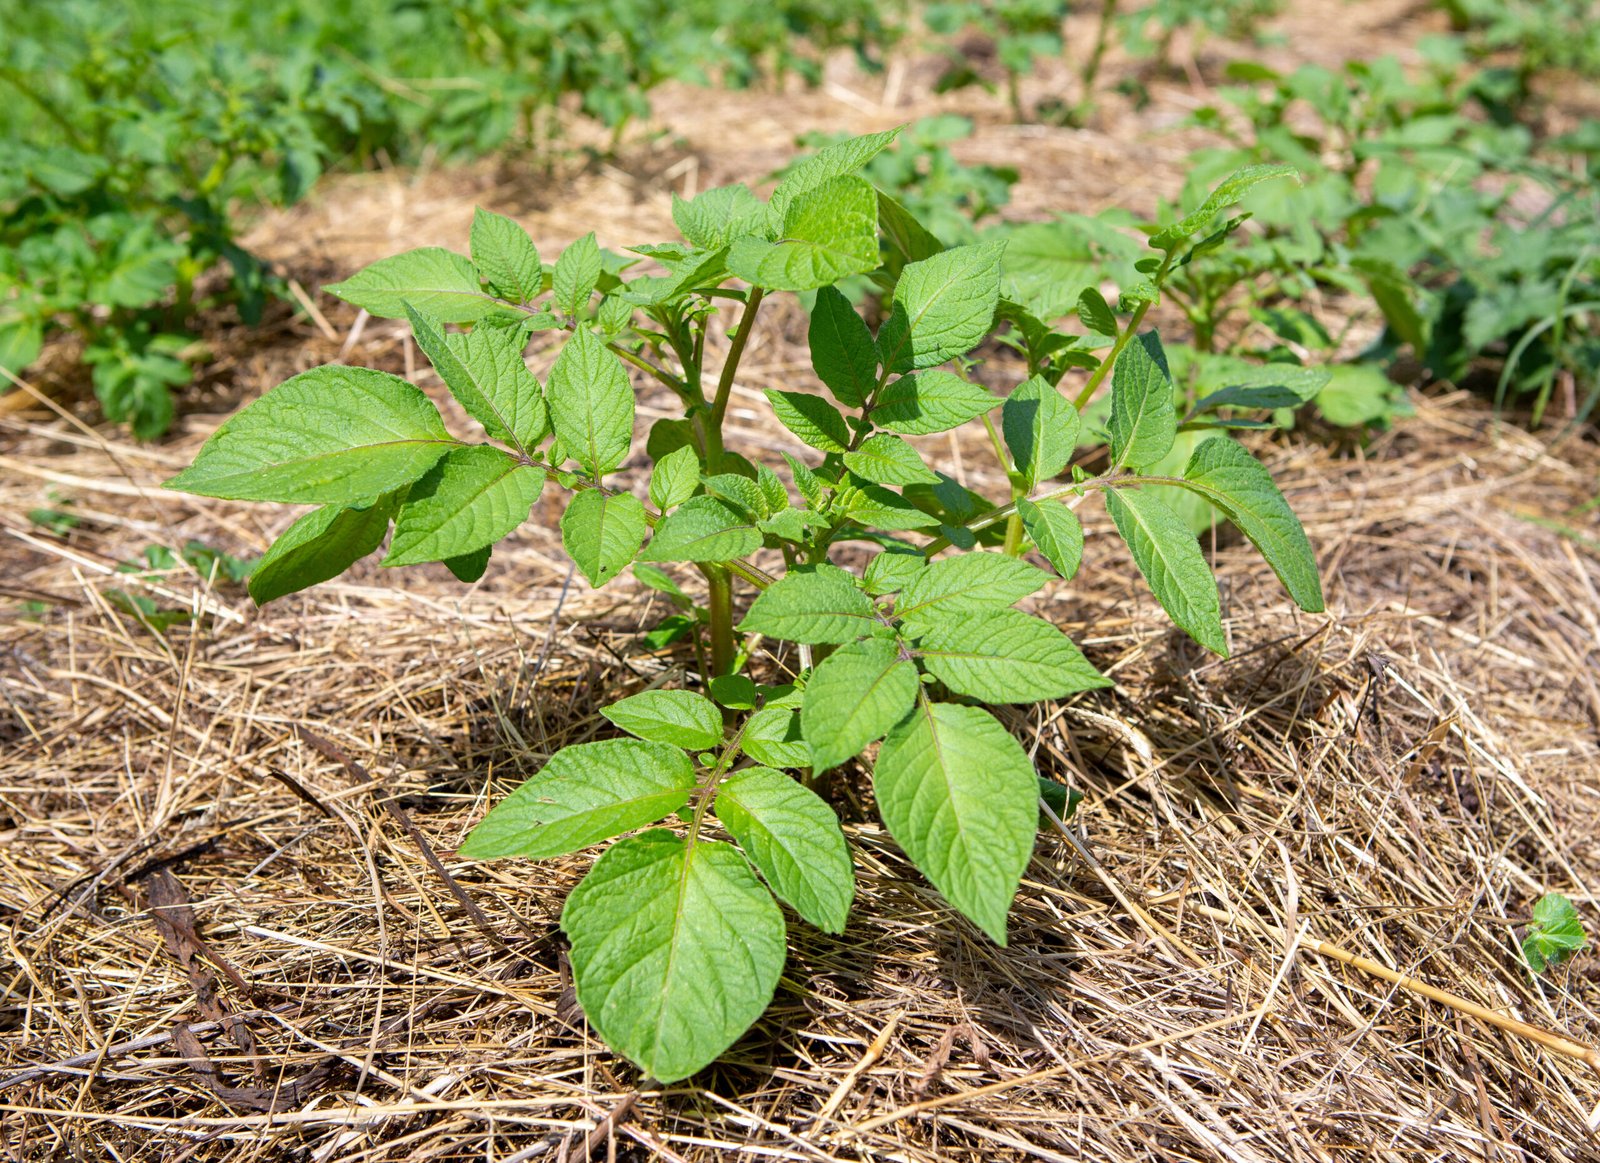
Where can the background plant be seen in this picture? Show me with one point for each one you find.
(676, 944)
(137, 135)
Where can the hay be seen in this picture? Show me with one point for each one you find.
(226, 832)
(235, 927)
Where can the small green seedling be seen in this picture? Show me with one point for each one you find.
(678, 937)
(1554, 934)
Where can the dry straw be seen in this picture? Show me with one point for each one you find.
(234, 927)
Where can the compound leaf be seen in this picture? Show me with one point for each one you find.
(674, 478)
(681, 718)
(703, 529)
(967, 584)
(943, 307)
(1056, 533)
(930, 401)
(1554, 934)
(959, 795)
(1168, 555)
(813, 604)
(793, 837)
(1236, 483)
(321, 545)
(330, 436)
(591, 403)
(506, 256)
(1005, 656)
(469, 567)
(772, 736)
(855, 695)
(1143, 421)
(438, 283)
(484, 371)
(811, 418)
(586, 793)
(473, 497)
(714, 217)
(676, 950)
(1041, 430)
(602, 534)
(828, 233)
(575, 276)
(827, 165)
(888, 460)
(1233, 188)
(842, 352)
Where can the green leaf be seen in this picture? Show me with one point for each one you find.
(888, 460)
(1169, 556)
(794, 838)
(893, 569)
(1227, 194)
(602, 533)
(21, 340)
(506, 256)
(1005, 656)
(842, 352)
(961, 798)
(930, 401)
(676, 950)
(661, 581)
(739, 492)
(575, 276)
(968, 584)
(813, 604)
(591, 403)
(943, 307)
(585, 793)
(469, 567)
(681, 718)
(855, 695)
(771, 486)
(1554, 934)
(472, 498)
(1095, 313)
(1235, 482)
(909, 241)
(702, 529)
(716, 217)
(321, 545)
(879, 508)
(737, 692)
(1273, 385)
(674, 478)
(828, 233)
(1056, 533)
(1041, 430)
(811, 418)
(772, 736)
(484, 371)
(438, 283)
(330, 436)
(827, 165)
(1143, 422)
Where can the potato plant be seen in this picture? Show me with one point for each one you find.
(677, 933)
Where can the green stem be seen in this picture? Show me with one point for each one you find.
(720, 611)
(1128, 333)
(712, 432)
(1091, 70)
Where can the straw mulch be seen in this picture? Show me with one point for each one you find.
(235, 928)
